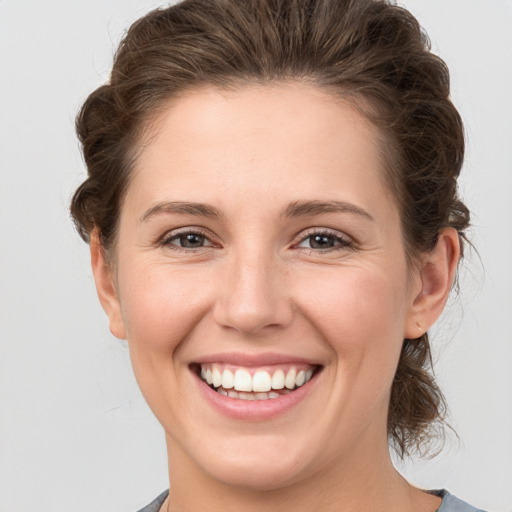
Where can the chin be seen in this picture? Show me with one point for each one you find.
(260, 465)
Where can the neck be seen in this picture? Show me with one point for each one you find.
(362, 481)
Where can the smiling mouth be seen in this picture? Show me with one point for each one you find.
(245, 383)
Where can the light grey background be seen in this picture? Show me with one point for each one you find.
(75, 433)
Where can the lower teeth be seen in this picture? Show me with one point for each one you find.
(242, 395)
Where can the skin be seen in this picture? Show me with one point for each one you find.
(259, 285)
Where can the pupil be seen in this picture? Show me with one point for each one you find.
(321, 241)
(191, 240)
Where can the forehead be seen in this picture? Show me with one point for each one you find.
(288, 139)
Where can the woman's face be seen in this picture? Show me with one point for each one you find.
(258, 239)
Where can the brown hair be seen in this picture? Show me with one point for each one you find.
(371, 50)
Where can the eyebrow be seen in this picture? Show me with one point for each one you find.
(295, 209)
(304, 208)
(181, 207)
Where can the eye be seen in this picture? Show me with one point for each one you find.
(324, 240)
(186, 240)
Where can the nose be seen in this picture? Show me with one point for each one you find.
(253, 295)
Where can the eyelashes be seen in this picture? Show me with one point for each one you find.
(189, 239)
(324, 240)
(315, 240)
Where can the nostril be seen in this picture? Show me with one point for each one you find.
(253, 299)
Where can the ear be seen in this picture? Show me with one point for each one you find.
(433, 284)
(105, 286)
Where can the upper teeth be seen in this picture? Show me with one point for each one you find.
(261, 380)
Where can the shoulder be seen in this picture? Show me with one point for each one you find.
(453, 504)
(450, 503)
(155, 505)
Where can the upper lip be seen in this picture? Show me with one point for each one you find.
(246, 359)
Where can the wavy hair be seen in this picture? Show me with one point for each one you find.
(371, 51)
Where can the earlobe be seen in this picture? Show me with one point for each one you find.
(436, 275)
(105, 287)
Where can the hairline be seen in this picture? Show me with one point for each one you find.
(367, 108)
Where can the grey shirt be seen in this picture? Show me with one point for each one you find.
(450, 503)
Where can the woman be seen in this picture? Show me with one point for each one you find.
(274, 226)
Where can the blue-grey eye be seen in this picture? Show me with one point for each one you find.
(190, 240)
(187, 240)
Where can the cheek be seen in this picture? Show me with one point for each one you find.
(356, 298)
(161, 305)
(360, 314)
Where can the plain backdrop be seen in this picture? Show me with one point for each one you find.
(75, 433)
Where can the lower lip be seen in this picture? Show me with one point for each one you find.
(255, 410)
